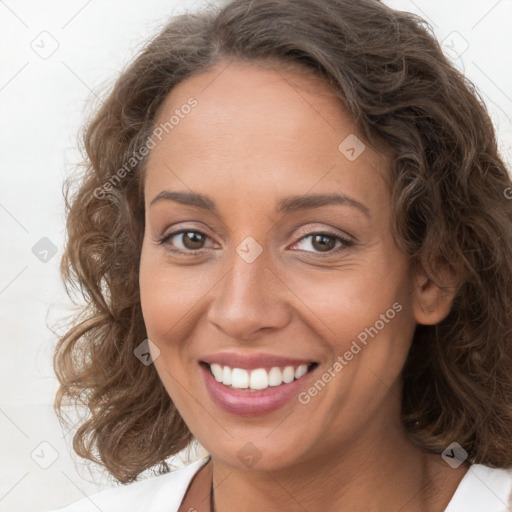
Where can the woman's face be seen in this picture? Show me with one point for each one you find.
(282, 260)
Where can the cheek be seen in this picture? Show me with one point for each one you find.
(346, 301)
(169, 296)
(164, 306)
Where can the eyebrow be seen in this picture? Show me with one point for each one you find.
(188, 198)
(286, 204)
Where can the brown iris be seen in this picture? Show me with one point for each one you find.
(193, 240)
(323, 243)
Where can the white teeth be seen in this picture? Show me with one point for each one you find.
(258, 379)
(288, 374)
(301, 370)
(217, 371)
(239, 378)
(275, 377)
(226, 376)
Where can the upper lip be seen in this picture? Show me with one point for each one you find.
(251, 362)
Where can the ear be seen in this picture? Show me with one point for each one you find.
(432, 300)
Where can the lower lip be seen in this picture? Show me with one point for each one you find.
(252, 403)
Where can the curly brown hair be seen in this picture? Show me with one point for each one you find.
(448, 200)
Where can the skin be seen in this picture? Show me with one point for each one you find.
(256, 136)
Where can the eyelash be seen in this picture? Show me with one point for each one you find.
(346, 243)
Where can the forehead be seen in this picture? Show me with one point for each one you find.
(255, 127)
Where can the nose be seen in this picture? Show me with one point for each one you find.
(249, 300)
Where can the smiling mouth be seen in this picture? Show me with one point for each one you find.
(258, 379)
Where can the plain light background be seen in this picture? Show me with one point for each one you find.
(56, 57)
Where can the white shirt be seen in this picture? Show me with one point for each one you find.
(482, 489)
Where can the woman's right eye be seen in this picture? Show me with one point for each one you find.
(191, 241)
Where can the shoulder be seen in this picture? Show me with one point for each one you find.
(483, 489)
(157, 494)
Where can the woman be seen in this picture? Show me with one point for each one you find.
(294, 238)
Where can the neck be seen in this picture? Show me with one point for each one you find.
(379, 471)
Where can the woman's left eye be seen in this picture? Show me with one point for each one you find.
(324, 242)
